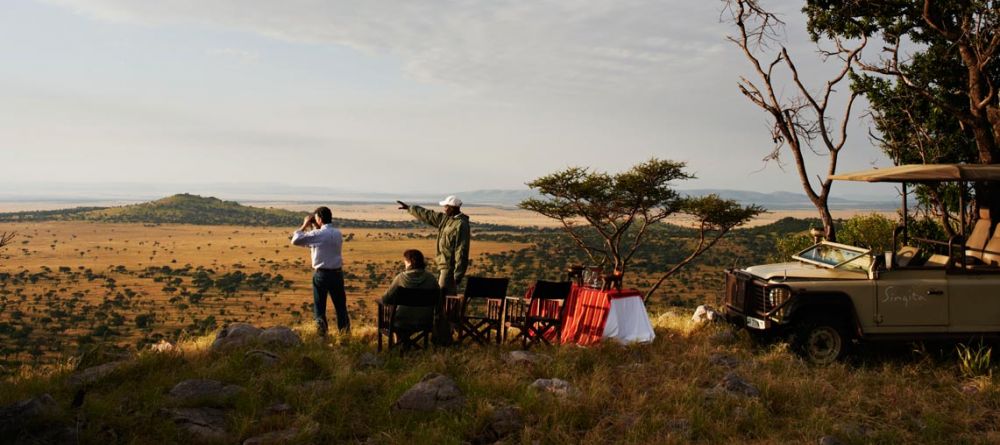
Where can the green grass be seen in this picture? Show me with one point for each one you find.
(628, 394)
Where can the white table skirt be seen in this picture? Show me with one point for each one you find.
(628, 321)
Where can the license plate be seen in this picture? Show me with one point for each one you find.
(755, 323)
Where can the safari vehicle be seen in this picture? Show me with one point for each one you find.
(832, 295)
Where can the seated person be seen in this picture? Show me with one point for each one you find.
(414, 277)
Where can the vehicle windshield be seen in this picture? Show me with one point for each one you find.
(833, 255)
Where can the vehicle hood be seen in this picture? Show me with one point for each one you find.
(799, 270)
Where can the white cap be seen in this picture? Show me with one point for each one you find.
(451, 201)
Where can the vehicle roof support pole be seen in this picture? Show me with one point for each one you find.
(961, 207)
(906, 217)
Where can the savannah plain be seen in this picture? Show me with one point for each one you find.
(71, 286)
(77, 294)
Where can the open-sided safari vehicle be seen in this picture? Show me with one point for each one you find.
(832, 294)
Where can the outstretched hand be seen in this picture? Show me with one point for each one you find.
(403, 205)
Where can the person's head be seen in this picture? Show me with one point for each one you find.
(414, 259)
(452, 205)
(323, 215)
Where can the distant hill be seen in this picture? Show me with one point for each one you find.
(187, 209)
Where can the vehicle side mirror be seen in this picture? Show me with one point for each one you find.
(888, 260)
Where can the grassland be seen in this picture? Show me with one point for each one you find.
(74, 294)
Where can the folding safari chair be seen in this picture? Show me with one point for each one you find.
(541, 316)
(480, 313)
(408, 337)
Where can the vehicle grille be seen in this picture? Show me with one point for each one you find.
(744, 294)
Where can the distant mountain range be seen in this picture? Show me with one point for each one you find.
(137, 193)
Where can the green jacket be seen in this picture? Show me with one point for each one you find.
(453, 240)
(412, 279)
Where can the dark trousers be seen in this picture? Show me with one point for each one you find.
(330, 282)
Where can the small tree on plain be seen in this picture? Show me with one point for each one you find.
(608, 216)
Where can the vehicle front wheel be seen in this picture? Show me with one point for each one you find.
(821, 341)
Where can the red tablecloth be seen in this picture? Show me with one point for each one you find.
(587, 313)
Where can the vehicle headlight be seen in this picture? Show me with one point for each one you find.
(776, 296)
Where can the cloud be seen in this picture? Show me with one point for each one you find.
(240, 55)
(507, 45)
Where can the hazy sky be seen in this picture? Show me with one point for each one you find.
(381, 96)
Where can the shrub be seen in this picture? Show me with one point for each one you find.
(872, 231)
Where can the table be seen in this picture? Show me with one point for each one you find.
(591, 315)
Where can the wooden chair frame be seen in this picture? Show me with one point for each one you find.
(405, 338)
(547, 298)
(487, 323)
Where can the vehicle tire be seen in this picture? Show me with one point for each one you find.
(821, 341)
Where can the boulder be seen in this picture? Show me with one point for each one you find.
(266, 358)
(705, 314)
(433, 392)
(15, 416)
(204, 392)
(557, 387)
(280, 336)
(204, 424)
(273, 438)
(503, 422)
(93, 374)
(234, 336)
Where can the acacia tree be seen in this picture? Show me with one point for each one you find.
(801, 122)
(608, 216)
(940, 56)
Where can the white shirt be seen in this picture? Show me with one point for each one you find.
(325, 244)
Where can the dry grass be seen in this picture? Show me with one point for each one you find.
(654, 393)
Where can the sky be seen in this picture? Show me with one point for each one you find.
(384, 96)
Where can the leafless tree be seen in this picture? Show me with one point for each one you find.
(6, 238)
(801, 122)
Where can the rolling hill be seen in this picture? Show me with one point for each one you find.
(187, 209)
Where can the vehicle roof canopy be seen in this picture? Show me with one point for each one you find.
(926, 173)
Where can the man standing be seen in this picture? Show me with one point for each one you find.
(325, 243)
(452, 242)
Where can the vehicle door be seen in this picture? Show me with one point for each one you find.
(912, 297)
(975, 301)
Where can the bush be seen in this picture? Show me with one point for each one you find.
(871, 231)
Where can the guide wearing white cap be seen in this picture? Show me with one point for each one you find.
(453, 240)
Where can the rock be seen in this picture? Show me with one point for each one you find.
(15, 416)
(830, 440)
(369, 360)
(310, 368)
(854, 429)
(204, 391)
(163, 347)
(266, 358)
(558, 387)
(433, 392)
(234, 336)
(94, 374)
(315, 386)
(503, 422)
(280, 336)
(734, 384)
(726, 337)
(205, 424)
(723, 360)
(521, 357)
(705, 314)
(279, 408)
(274, 437)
